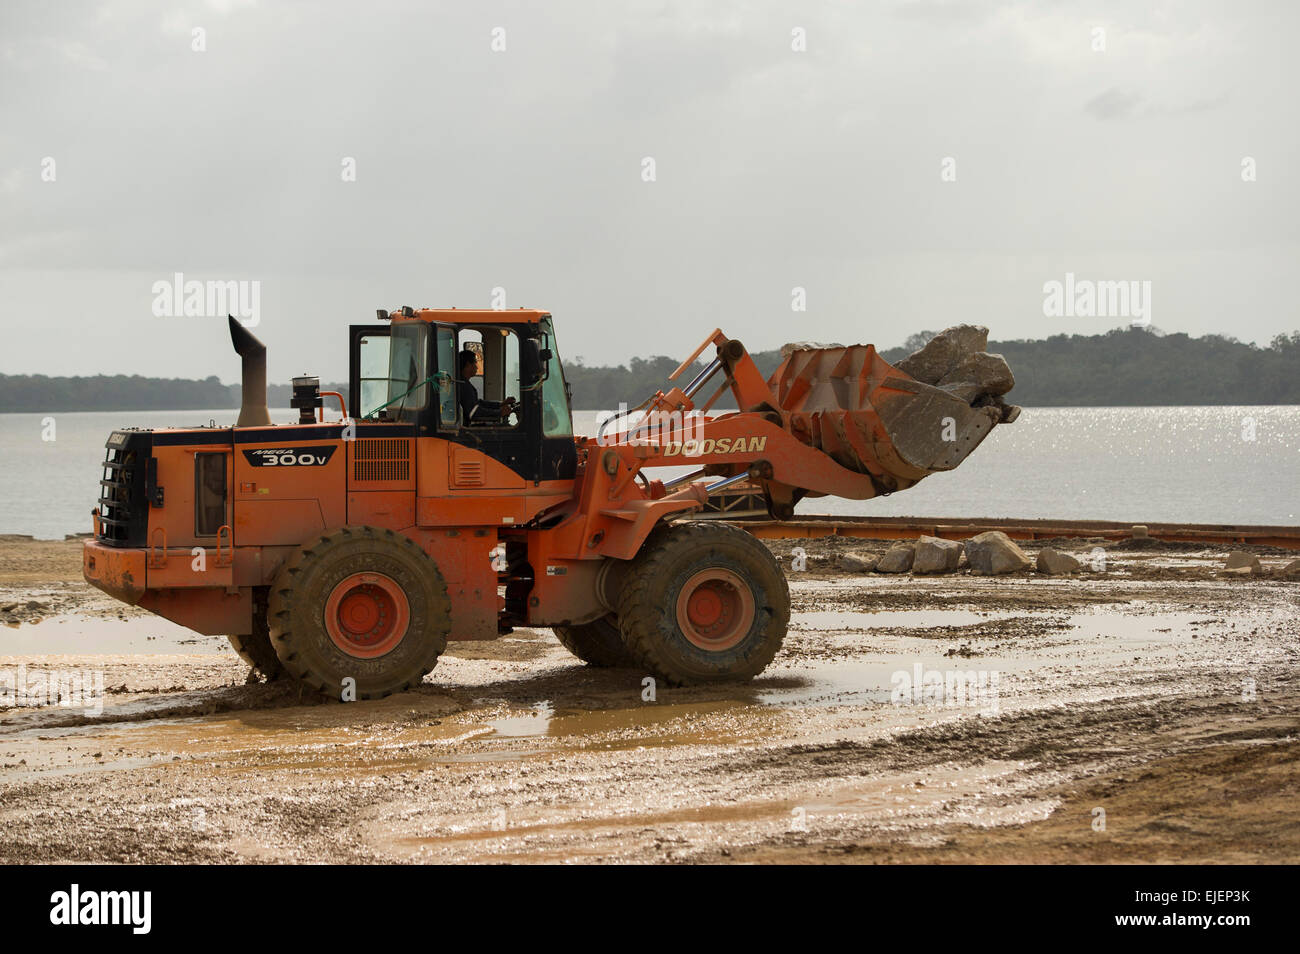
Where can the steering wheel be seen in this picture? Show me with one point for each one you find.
(509, 409)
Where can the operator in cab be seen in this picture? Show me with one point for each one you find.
(473, 409)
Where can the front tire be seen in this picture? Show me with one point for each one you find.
(702, 603)
(255, 648)
(598, 643)
(359, 603)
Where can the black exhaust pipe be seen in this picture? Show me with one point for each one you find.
(253, 411)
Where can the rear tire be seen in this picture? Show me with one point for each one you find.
(703, 602)
(598, 643)
(359, 603)
(255, 648)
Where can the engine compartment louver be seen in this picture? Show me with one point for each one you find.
(381, 458)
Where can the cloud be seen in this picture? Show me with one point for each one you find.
(1115, 103)
(1118, 103)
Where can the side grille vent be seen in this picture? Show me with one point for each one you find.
(468, 473)
(123, 505)
(381, 458)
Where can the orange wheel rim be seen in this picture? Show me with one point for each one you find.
(715, 609)
(366, 615)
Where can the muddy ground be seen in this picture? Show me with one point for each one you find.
(1148, 713)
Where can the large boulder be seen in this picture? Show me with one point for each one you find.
(897, 559)
(1240, 559)
(933, 555)
(944, 352)
(993, 552)
(1291, 571)
(1055, 563)
(977, 374)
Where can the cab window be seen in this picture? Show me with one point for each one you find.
(494, 379)
(557, 421)
(374, 368)
(408, 388)
(447, 372)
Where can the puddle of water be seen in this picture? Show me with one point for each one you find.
(469, 834)
(82, 767)
(536, 723)
(827, 684)
(871, 682)
(254, 742)
(911, 792)
(545, 721)
(1157, 625)
(1131, 628)
(74, 634)
(906, 800)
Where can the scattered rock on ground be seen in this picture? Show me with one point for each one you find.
(897, 559)
(1238, 559)
(1291, 571)
(933, 555)
(1055, 563)
(856, 562)
(993, 552)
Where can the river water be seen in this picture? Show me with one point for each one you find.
(1159, 464)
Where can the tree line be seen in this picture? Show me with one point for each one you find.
(1123, 367)
(39, 393)
(1137, 367)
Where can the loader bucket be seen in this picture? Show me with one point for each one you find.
(872, 418)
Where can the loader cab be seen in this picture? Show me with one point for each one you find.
(407, 371)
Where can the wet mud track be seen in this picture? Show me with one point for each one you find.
(927, 720)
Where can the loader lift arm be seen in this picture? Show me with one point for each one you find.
(835, 421)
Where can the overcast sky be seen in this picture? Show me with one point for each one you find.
(774, 168)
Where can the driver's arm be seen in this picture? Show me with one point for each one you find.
(468, 400)
(492, 412)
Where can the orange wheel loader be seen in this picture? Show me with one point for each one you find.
(345, 553)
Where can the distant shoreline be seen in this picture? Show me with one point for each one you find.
(1121, 368)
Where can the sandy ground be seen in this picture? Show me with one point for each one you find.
(1145, 714)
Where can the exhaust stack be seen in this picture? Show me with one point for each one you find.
(253, 411)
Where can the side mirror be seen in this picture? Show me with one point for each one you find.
(536, 361)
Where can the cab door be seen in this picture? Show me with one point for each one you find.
(510, 444)
(367, 368)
